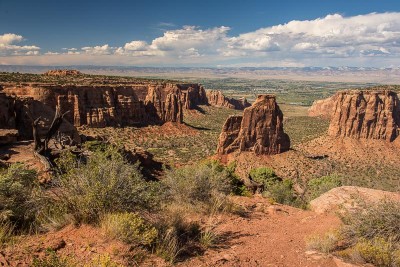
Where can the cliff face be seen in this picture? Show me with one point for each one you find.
(323, 108)
(216, 98)
(101, 106)
(7, 116)
(366, 114)
(259, 130)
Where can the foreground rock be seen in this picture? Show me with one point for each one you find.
(348, 197)
(217, 99)
(260, 130)
(366, 114)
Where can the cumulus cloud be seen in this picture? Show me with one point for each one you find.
(334, 39)
(8, 46)
(98, 50)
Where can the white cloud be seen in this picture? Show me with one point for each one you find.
(10, 38)
(136, 46)
(8, 47)
(371, 39)
(98, 50)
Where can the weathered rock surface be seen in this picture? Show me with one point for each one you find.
(140, 103)
(8, 136)
(7, 116)
(64, 72)
(261, 129)
(366, 114)
(349, 197)
(323, 108)
(217, 98)
(230, 132)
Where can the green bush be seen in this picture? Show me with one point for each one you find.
(318, 186)
(129, 228)
(204, 183)
(105, 182)
(264, 176)
(17, 196)
(281, 192)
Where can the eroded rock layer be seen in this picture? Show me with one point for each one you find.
(217, 98)
(366, 114)
(323, 108)
(259, 130)
(103, 105)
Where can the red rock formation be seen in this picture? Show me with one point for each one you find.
(192, 95)
(217, 98)
(62, 73)
(323, 108)
(261, 129)
(366, 114)
(7, 116)
(230, 131)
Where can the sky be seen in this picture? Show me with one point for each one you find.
(187, 33)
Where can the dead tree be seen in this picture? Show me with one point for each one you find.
(41, 148)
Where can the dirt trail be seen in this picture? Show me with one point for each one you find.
(271, 235)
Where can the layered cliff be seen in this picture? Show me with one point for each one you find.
(105, 105)
(217, 98)
(323, 108)
(366, 114)
(260, 129)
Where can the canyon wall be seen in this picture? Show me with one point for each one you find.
(260, 129)
(366, 114)
(217, 98)
(323, 108)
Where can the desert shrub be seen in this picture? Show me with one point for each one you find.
(200, 184)
(176, 237)
(237, 186)
(6, 232)
(129, 228)
(371, 233)
(369, 221)
(281, 192)
(53, 260)
(318, 186)
(325, 243)
(377, 251)
(105, 182)
(102, 260)
(17, 196)
(264, 176)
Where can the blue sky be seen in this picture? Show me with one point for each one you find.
(201, 33)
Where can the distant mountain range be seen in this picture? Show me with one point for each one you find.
(330, 74)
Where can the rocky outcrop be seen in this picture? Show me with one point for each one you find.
(366, 114)
(347, 198)
(62, 73)
(261, 129)
(230, 132)
(323, 108)
(7, 116)
(8, 136)
(193, 95)
(217, 98)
